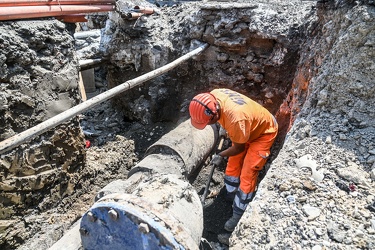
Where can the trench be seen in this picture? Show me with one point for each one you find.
(302, 58)
(216, 210)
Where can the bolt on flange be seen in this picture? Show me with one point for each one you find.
(91, 216)
(113, 214)
(83, 231)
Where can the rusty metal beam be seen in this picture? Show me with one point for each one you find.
(22, 12)
(10, 3)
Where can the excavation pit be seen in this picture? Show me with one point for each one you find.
(281, 55)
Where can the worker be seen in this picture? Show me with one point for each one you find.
(252, 130)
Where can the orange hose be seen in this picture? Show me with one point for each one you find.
(23, 12)
(11, 3)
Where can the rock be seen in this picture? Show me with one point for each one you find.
(306, 161)
(311, 212)
(335, 233)
(353, 173)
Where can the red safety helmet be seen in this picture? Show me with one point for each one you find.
(202, 110)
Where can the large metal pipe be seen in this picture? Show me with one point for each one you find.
(25, 12)
(9, 3)
(156, 207)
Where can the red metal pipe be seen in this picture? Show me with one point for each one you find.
(23, 12)
(74, 18)
(11, 3)
(144, 10)
(133, 15)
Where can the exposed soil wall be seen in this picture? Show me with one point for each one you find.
(39, 79)
(246, 53)
(319, 191)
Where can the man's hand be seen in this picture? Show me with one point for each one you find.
(216, 159)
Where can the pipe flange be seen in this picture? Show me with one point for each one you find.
(125, 221)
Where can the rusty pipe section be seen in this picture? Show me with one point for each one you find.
(72, 18)
(8, 3)
(24, 12)
(139, 11)
(156, 207)
(144, 10)
(133, 15)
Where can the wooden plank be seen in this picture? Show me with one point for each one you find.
(82, 88)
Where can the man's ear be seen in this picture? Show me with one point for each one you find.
(217, 109)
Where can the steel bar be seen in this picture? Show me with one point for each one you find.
(211, 174)
(21, 12)
(10, 3)
(33, 132)
(73, 18)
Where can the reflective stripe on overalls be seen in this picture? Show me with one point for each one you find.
(240, 202)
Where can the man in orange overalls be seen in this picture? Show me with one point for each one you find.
(252, 130)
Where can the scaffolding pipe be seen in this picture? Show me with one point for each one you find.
(22, 12)
(33, 132)
(10, 3)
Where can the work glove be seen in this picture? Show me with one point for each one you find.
(216, 160)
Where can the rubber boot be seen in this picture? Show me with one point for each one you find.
(229, 197)
(232, 222)
(224, 238)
